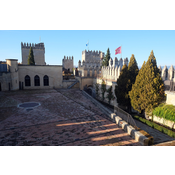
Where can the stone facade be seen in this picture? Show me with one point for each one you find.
(68, 63)
(49, 76)
(53, 72)
(112, 72)
(38, 52)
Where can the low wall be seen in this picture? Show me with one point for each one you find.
(170, 97)
(138, 136)
(163, 121)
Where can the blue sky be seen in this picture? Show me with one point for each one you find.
(72, 42)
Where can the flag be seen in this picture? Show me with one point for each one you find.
(118, 50)
(87, 43)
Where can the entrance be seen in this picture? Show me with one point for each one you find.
(19, 85)
(9, 86)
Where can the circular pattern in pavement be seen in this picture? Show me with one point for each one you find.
(29, 105)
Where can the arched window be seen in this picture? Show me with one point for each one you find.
(46, 80)
(27, 80)
(37, 80)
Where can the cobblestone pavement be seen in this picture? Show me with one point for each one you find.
(64, 117)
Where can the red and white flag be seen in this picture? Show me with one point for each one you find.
(118, 50)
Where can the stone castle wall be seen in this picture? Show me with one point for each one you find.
(112, 72)
(167, 74)
(38, 51)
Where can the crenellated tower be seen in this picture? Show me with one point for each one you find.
(38, 52)
(68, 63)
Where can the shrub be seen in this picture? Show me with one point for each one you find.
(165, 111)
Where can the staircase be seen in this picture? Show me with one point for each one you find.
(73, 84)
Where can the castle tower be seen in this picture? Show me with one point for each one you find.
(12, 67)
(68, 63)
(38, 52)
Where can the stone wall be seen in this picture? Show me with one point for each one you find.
(5, 81)
(109, 83)
(12, 67)
(170, 97)
(53, 72)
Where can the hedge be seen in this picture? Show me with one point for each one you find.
(156, 126)
(165, 111)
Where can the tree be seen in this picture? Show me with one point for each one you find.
(31, 60)
(109, 94)
(103, 89)
(106, 59)
(122, 88)
(133, 72)
(97, 90)
(148, 90)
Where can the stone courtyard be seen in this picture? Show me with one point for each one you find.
(62, 118)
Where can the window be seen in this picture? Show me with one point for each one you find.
(46, 80)
(37, 80)
(27, 80)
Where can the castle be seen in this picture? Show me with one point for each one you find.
(14, 76)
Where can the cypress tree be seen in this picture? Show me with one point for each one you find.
(133, 72)
(148, 90)
(106, 59)
(103, 89)
(31, 60)
(109, 94)
(121, 90)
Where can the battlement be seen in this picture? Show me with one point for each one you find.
(34, 46)
(68, 58)
(167, 74)
(94, 53)
(68, 63)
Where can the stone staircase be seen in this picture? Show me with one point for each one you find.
(73, 84)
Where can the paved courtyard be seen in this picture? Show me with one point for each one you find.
(63, 117)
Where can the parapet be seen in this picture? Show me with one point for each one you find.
(95, 53)
(34, 46)
(68, 58)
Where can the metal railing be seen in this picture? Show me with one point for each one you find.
(125, 116)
